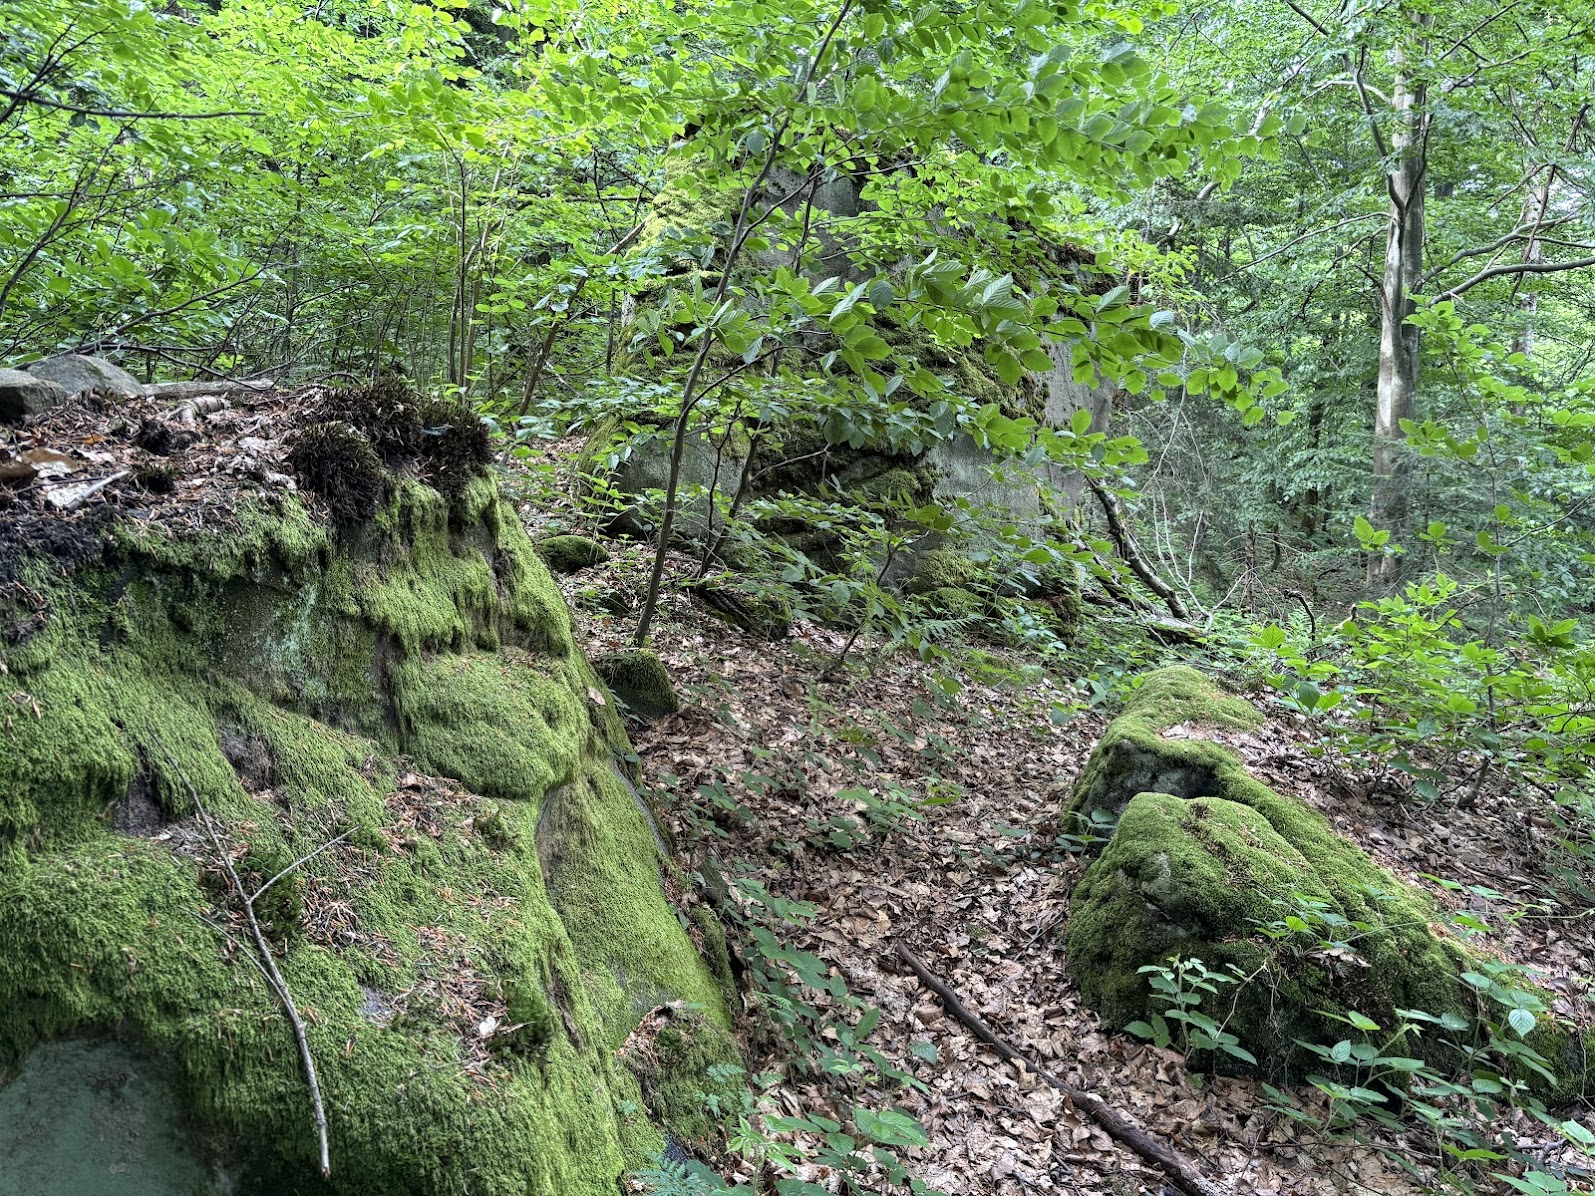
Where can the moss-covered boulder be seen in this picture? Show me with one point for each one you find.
(571, 554)
(639, 679)
(477, 923)
(767, 616)
(1134, 756)
(942, 569)
(949, 602)
(1207, 862)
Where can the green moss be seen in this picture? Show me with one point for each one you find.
(960, 367)
(571, 554)
(259, 533)
(1133, 756)
(948, 602)
(508, 724)
(681, 1064)
(605, 892)
(1204, 856)
(1061, 614)
(694, 198)
(640, 680)
(898, 486)
(436, 632)
(943, 568)
(1197, 877)
(437, 589)
(715, 950)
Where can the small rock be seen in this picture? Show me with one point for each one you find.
(77, 374)
(23, 394)
(570, 554)
(640, 680)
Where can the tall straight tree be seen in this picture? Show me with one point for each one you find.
(1461, 129)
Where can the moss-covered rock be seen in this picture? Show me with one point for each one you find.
(1198, 878)
(571, 554)
(942, 569)
(412, 685)
(1209, 863)
(640, 680)
(682, 1059)
(949, 602)
(1133, 756)
(767, 616)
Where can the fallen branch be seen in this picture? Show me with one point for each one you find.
(193, 390)
(1125, 543)
(74, 494)
(267, 962)
(1181, 1172)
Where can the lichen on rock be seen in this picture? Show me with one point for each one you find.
(409, 683)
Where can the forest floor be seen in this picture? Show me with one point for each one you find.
(763, 764)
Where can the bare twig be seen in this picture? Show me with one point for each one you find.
(267, 961)
(300, 862)
(1182, 1173)
(1132, 555)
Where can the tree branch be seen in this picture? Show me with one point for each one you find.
(1513, 268)
(267, 961)
(26, 97)
(1131, 554)
(1181, 1172)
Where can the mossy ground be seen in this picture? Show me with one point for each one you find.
(1205, 856)
(429, 643)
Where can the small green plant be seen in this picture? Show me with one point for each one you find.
(1182, 986)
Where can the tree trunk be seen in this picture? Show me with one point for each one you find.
(1391, 506)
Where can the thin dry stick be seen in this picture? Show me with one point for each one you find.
(299, 863)
(267, 960)
(1132, 555)
(1181, 1172)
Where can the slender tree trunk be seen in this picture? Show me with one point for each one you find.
(690, 394)
(1391, 506)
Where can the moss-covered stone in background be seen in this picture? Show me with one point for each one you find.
(640, 680)
(571, 554)
(949, 602)
(767, 616)
(300, 682)
(1204, 855)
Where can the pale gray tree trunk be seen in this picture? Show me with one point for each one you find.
(1391, 506)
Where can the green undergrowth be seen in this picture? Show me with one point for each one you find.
(468, 958)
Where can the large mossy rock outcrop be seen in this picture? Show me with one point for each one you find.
(473, 953)
(1207, 862)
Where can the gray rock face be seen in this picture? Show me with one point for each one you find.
(98, 1117)
(77, 374)
(23, 394)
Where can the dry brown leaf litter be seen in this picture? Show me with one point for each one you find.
(964, 890)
